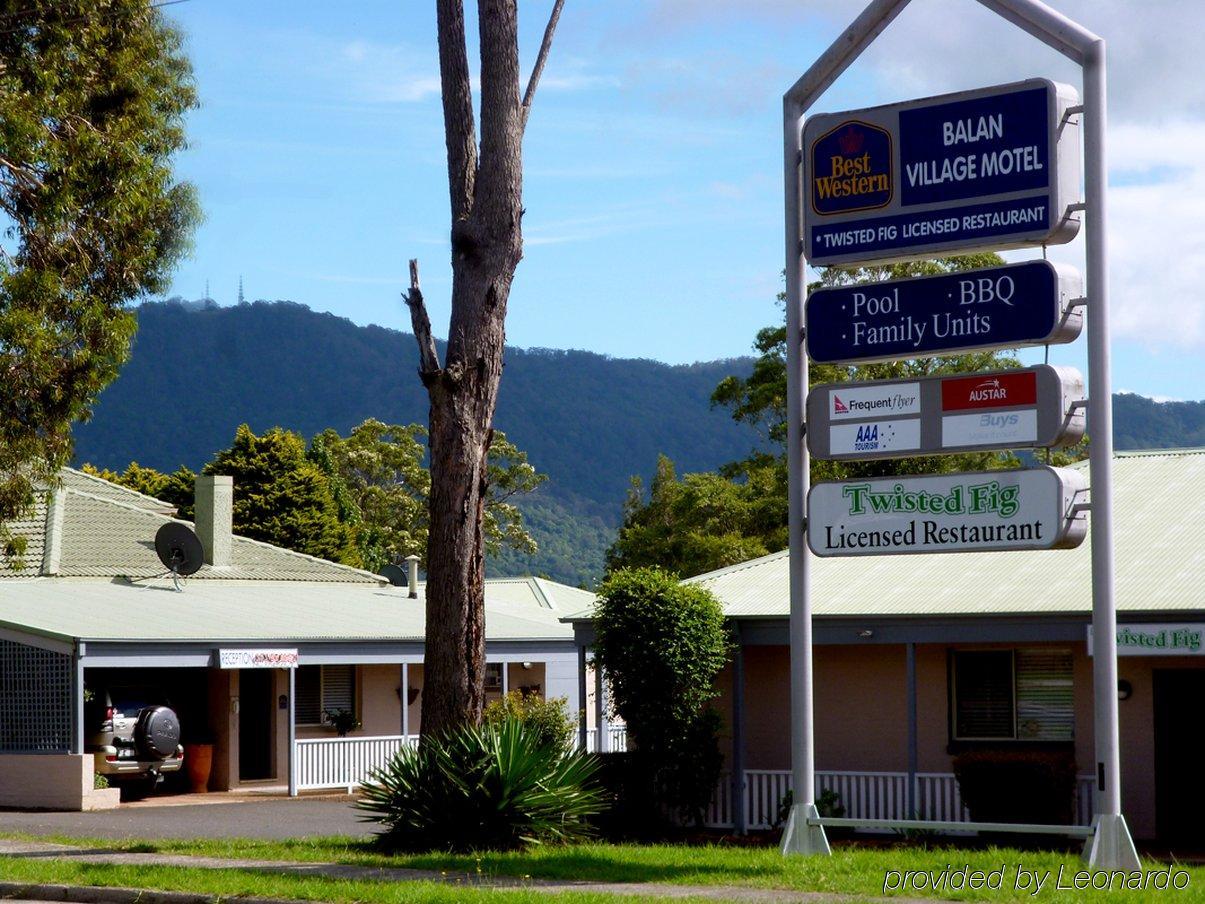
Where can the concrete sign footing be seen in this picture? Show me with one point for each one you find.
(802, 835)
(1110, 846)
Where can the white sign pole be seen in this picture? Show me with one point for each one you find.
(1111, 846)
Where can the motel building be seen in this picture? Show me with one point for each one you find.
(253, 652)
(921, 657)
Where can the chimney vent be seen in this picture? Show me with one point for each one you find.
(412, 570)
(215, 517)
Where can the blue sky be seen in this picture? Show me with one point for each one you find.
(653, 163)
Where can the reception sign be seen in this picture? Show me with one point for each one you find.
(1015, 305)
(257, 659)
(993, 510)
(1028, 408)
(992, 168)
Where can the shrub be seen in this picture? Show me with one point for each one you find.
(661, 645)
(548, 719)
(500, 787)
(1035, 787)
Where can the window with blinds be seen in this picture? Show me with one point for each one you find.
(323, 688)
(1025, 695)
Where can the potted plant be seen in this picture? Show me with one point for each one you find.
(342, 720)
(198, 762)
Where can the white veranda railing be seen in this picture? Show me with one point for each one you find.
(864, 795)
(343, 762)
(617, 739)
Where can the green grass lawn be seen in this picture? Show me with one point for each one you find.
(853, 869)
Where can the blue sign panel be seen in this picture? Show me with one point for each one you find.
(980, 169)
(998, 307)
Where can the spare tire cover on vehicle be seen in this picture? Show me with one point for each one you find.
(157, 732)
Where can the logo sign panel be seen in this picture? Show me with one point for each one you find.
(1158, 640)
(996, 167)
(997, 307)
(257, 659)
(1035, 407)
(993, 510)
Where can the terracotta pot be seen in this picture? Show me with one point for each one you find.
(198, 763)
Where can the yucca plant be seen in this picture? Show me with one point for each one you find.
(497, 787)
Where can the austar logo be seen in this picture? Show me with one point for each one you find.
(988, 390)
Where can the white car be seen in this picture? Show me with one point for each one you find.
(135, 738)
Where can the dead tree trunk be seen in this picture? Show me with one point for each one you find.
(486, 189)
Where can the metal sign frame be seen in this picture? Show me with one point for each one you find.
(1110, 846)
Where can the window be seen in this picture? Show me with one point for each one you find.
(493, 676)
(1025, 695)
(321, 688)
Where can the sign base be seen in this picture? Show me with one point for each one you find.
(801, 836)
(1110, 845)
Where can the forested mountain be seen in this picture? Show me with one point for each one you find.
(586, 420)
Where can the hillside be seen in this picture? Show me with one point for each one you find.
(586, 420)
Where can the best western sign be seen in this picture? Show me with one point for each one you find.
(977, 169)
(1014, 409)
(1158, 640)
(994, 510)
(997, 307)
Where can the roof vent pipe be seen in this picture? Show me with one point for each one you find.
(412, 571)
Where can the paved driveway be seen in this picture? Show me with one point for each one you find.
(255, 818)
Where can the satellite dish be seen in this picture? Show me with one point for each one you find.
(178, 548)
(394, 575)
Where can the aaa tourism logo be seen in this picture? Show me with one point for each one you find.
(851, 168)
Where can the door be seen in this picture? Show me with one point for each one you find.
(255, 724)
(1179, 791)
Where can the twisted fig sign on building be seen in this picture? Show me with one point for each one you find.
(992, 510)
(1030, 303)
(992, 168)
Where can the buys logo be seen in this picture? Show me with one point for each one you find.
(851, 168)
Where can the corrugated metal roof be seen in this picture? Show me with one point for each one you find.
(106, 538)
(278, 611)
(1159, 524)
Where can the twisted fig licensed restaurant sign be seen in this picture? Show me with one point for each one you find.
(1015, 305)
(1034, 407)
(993, 510)
(993, 168)
(1158, 640)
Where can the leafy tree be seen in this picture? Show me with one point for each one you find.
(661, 644)
(485, 182)
(701, 522)
(282, 497)
(177, 488)
(92, 104)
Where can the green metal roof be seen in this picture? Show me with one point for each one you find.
(1159, 524)
(108, 585)
(276, 611)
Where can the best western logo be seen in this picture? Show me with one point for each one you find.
(851, 168)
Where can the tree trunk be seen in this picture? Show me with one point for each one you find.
(486, 194)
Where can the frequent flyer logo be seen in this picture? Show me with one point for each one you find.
(989, 391)
(851, 168)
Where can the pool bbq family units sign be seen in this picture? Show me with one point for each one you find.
(993, 168)
(1035, 508)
